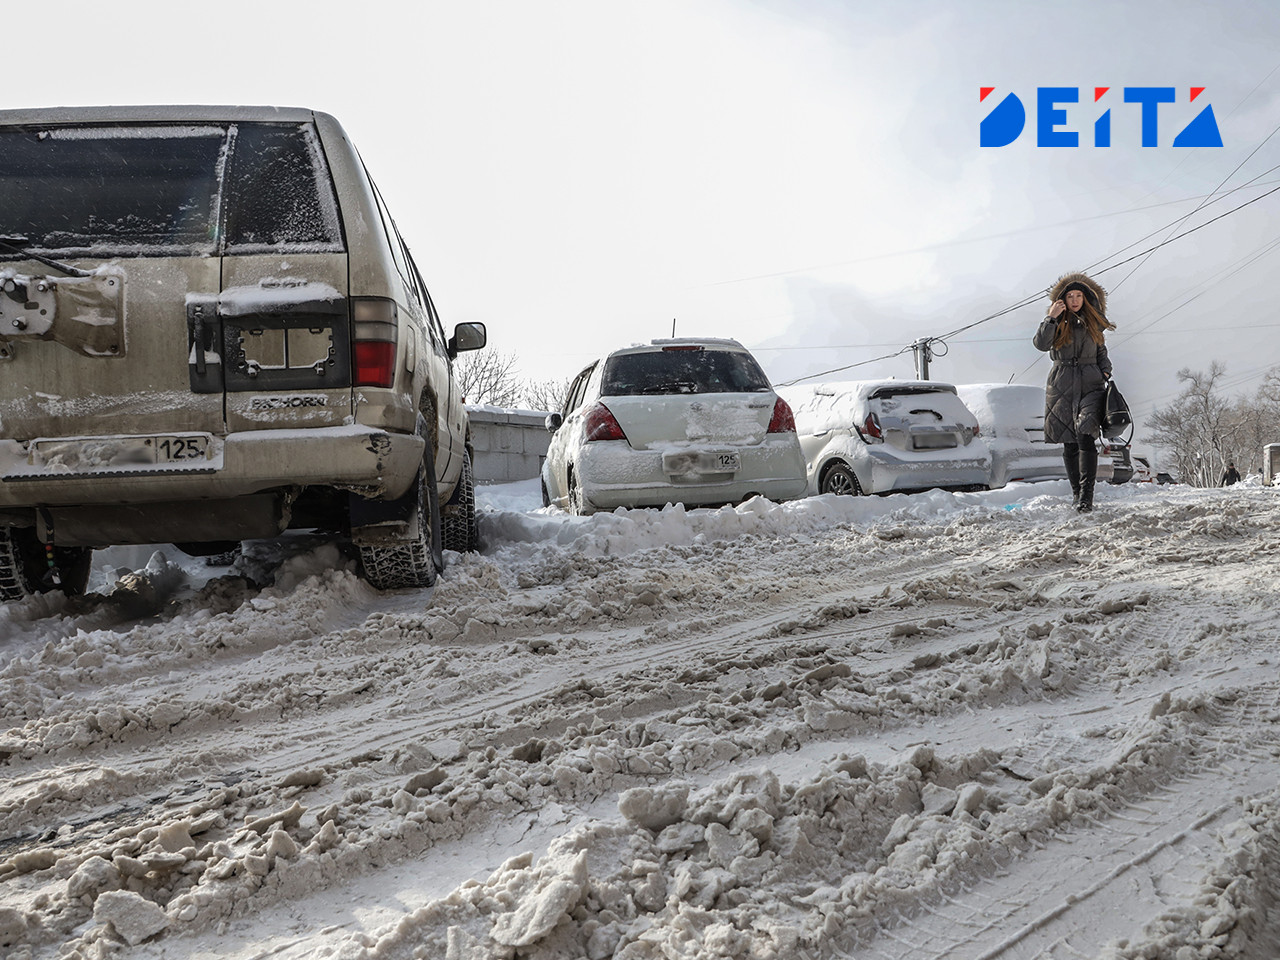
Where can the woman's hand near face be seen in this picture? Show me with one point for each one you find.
(1057, 309)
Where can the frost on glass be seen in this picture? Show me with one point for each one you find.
(107, 189)
(682, 372)
(167, 189)
(279, 191)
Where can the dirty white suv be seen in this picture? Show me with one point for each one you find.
(211, 331)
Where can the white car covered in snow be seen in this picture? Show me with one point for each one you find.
(888, 436)
(692, 421)
(1011, 417)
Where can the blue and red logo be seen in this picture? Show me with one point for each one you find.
(1003, 125)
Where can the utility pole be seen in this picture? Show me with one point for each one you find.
(673, 328)
(923, 355)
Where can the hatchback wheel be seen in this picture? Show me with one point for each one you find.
(840, 480)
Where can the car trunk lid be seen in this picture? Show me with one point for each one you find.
(920, 420)
(675, 421)
(688, 394)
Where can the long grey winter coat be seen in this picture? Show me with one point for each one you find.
(1077, 382)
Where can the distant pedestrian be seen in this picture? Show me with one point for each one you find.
(1073, 334)
(1231, 476)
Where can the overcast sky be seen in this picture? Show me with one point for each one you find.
(803, 175)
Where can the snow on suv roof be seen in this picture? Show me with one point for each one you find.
(154, 113)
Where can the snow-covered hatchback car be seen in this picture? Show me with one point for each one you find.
(1011, 418)
(888, 436)
(211, 331)
(690, 421)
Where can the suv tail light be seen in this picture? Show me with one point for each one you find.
(871, 428)
(373, 345)
(601, 424)
(783, 420)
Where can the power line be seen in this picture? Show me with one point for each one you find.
(924, 344)
(991, 236)
(861, 363)
(1202, 203)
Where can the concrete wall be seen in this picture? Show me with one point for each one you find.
(509, 444)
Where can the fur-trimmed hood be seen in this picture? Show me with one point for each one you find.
(1093, 290)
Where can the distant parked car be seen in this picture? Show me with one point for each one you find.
(1011, 416)
(1121, 462)
(888, 436)
(692, 421)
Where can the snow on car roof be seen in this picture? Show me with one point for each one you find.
(1005, 408)
(862, 389)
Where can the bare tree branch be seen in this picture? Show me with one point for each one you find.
(1203, 430)
(547, 395)
(487, 377)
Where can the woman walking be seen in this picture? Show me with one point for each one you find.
(1074, 335)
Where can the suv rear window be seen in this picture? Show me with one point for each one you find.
(112, 190)
(682, 371)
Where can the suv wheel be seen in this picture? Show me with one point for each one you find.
(459, 529)
(415, 562)
(24, 567)
(839, 479)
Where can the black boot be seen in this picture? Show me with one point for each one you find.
(1071, 460)
(1088, 468)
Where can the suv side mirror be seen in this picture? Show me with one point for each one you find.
(467, 336)
(553, 422)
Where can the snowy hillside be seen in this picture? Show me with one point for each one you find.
(964, 726)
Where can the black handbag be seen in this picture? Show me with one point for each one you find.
(1116, 418)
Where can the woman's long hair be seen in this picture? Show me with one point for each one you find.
(1094, 322)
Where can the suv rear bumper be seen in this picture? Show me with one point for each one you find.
(372, 462)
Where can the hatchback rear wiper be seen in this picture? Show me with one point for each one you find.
(15, 244)
(671, 386)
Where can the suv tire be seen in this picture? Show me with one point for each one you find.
(459, 529)
(413, 563)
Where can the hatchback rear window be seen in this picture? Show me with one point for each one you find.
(166, 189)
(682, 372)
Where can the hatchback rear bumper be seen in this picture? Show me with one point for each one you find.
(892, 472)
(612, 475)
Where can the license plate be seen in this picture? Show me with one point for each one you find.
(701, 462)
(934, 441)
(106, 453)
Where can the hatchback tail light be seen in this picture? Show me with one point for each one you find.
(871, 428)
(373, 345)
(601, 424)
(783, 420)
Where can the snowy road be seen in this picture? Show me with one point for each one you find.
(968, 726)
